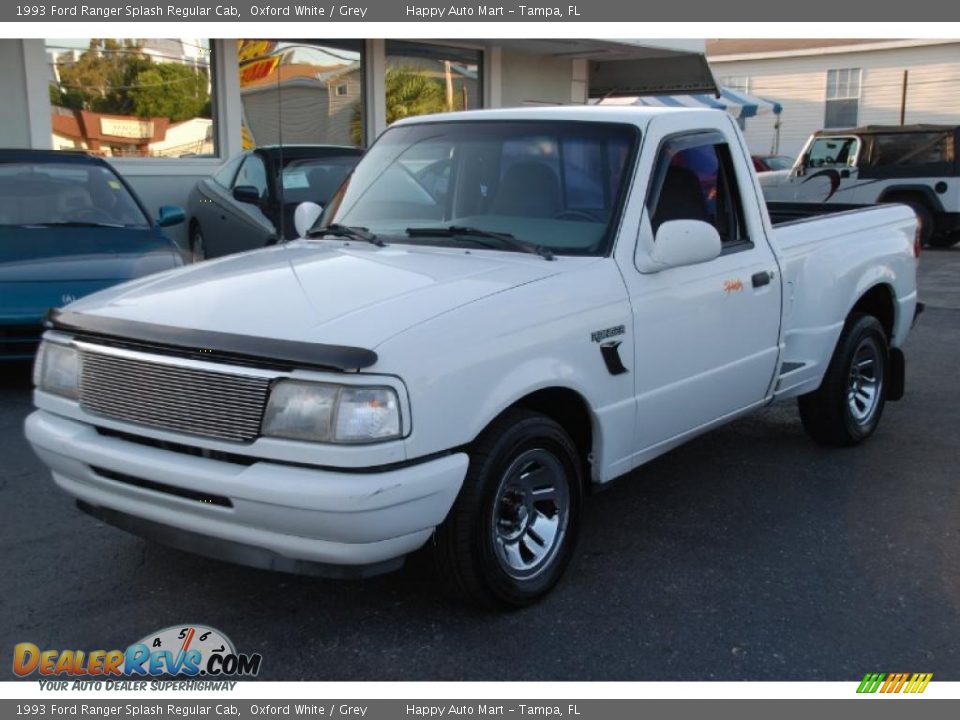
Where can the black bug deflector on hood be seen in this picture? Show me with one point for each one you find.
(207, 345)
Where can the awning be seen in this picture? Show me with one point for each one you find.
(618, 68)
(739, 104)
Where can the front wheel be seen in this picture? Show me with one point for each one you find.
(514, 526)
(846, 408)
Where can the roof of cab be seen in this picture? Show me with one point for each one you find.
(634, 114)
(888, 130)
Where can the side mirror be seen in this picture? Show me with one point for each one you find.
(304, 217)
(247, 194)
(685, 242)
(170, 215)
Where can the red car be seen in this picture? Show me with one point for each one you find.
(767, 163)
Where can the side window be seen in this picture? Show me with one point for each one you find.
(695, 180)
(224, 176)
(254, 174)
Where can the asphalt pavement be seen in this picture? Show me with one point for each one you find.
(749, 554)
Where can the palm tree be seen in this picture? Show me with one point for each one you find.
(409, 92)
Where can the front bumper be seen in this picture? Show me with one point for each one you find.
(266, 514)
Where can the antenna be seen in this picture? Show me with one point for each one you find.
(282, 214)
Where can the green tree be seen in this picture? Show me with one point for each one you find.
(178, 92)
(118, 77)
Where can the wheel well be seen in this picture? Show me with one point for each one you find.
(904, 195)
(910, 195)
(878, 301)
(570, 410)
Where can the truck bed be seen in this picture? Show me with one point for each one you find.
(828, 258)
(789, 212)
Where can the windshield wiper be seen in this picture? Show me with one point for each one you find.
(347, 231)
(477, 234)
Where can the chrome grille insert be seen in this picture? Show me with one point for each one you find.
(172, 395)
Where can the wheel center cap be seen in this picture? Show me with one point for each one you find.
(523, 515)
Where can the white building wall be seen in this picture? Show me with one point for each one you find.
(799, 84)
(538, 80)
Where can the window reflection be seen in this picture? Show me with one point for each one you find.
(301, 92)
(132, 97)
(422, 79)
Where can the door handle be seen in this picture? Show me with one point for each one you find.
(761, 278)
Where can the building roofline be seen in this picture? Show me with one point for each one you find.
(858, 47)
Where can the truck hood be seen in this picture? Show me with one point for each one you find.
(321, 292)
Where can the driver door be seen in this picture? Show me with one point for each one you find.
(707, 335)
(245, 226)
(830, 173)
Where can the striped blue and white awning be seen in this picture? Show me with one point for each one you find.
(739, 104)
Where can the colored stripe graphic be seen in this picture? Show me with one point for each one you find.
(894, 683)
(919, 682)
(870, 682)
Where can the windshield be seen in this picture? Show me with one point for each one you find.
(779, 162)
(65, 193)
(833, 151)
(556, 185)
(315, 179)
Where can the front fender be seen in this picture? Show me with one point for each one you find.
(464, 368)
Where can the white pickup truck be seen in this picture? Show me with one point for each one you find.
(497, 312)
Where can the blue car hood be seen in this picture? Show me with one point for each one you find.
(57, 254)
(43, 267)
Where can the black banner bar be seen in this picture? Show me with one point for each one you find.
(328, 11)
(226, 707)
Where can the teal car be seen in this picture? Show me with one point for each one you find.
(69, 226)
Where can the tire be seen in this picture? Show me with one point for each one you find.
(846, 408)
(490, 550)
(945, 240)
(924, 219)
(197, 248)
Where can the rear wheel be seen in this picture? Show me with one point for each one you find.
(945, 240)
(513, 528)
(846, 408)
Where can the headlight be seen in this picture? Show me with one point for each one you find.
(320, 412)
(57, 370)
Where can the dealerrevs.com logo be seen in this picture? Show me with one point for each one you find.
(186, 651)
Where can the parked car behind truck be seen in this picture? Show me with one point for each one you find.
(916, 165)
(249, 202)
(456, 366)
(69, 226)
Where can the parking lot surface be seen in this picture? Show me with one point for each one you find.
(748, 554)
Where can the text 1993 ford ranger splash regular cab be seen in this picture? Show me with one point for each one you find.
(498, 311)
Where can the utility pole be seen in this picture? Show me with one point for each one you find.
(903, 98)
